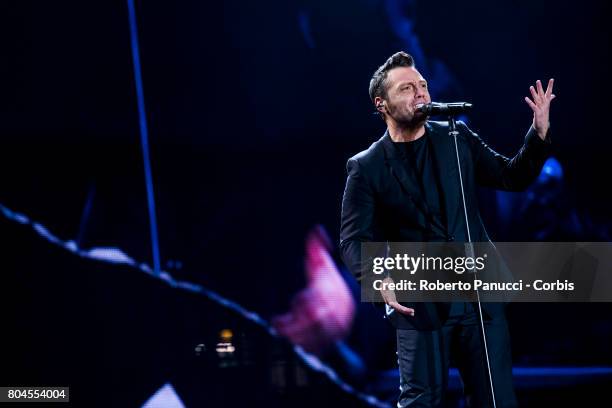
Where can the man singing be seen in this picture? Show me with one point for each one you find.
(405, 188)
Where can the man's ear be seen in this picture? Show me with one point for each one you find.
(380, 104)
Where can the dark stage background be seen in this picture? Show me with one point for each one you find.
(253, 109)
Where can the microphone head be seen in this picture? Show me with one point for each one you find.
(425, 108)
(437, 108)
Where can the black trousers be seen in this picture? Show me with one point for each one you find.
(424, 358)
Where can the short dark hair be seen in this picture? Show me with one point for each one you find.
(378, 87)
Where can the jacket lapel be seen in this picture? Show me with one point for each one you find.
(395, 159)
(446, 164)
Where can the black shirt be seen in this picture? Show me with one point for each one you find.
(420, 161)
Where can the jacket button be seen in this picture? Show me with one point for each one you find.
(450, 238)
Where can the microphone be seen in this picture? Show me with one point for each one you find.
(436, 108)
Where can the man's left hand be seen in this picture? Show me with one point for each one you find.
(540, 105)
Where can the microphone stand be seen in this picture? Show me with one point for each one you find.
(469, 247)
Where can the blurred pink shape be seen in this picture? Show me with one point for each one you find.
(323, 312)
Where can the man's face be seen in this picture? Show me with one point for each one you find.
(406, 89)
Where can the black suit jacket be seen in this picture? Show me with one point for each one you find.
(382, 199)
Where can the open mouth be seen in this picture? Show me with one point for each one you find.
(416, 107)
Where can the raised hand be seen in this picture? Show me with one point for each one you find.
(540, 105)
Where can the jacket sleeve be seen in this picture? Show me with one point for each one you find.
(499, 172)
(357, 219)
